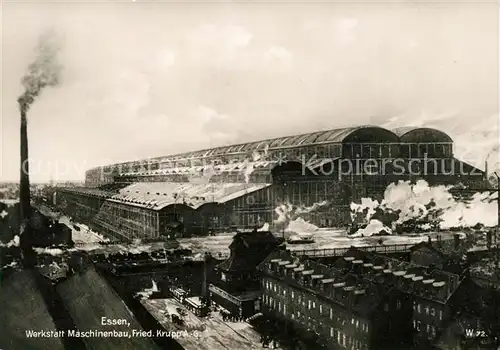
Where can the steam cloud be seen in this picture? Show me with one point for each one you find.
(421, 208)
(44, 71)
(289, 214)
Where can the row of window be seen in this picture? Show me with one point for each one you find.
(429, 329)
(411, 150)
(346, 341)
(341, 338)
(299, 298)
(417, 307)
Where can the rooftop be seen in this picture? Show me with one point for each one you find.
(23, 309)
(158, 195)
(361, 133)
(88, 297)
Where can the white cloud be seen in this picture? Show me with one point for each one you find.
(206, 114)
(279, 56)
(165, 59)
(232, 37)
(344, 31)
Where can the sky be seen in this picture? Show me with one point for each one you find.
(151, 79)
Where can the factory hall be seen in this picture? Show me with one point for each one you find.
(239, 187)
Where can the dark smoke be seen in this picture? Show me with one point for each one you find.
(44, 71)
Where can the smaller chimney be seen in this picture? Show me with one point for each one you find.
(489, 235)
(456, 240)
(486, 173)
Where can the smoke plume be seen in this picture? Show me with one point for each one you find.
(44, 71)
(420, 208)
(288, 214)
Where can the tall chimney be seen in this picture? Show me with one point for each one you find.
(25, 234)
(24, 184)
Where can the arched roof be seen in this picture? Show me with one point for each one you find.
(421, 134)
(159, 195)
(366, 133)
(350, 134)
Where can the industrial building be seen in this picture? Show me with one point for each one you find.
(364, 301)
(239, 186)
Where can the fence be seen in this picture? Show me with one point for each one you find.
(381, 249)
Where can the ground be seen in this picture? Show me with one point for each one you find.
(212, 333)
(218, 245)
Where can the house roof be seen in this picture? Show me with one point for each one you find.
(88, 297)
(444, 248)
(411, 277)
(367, 294)
(257, 246)
(159, 195)
(443, 286)
(23, 309)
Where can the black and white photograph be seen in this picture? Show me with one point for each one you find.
(254, 174)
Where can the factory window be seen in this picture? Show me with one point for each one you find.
(398, 304)
(431, 150)
(293, 294)
(419, 308)
(357, 324)
(284, 309)
(438, 150)
(433, 331)
(321, 309)
(386, 151)
(357, 151)
(284, 291)
(223, 276)
(413, 151)
(422, 150)
(366, 151)
(314, 305)
(440, 315)
(433, 311)
(395, 151)
(321, 152)
(352, 321)
(405, 151)
(418, 325)
(309, 304)
(331, 314)
(428, 328)
(427, 310)
(386, 307)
